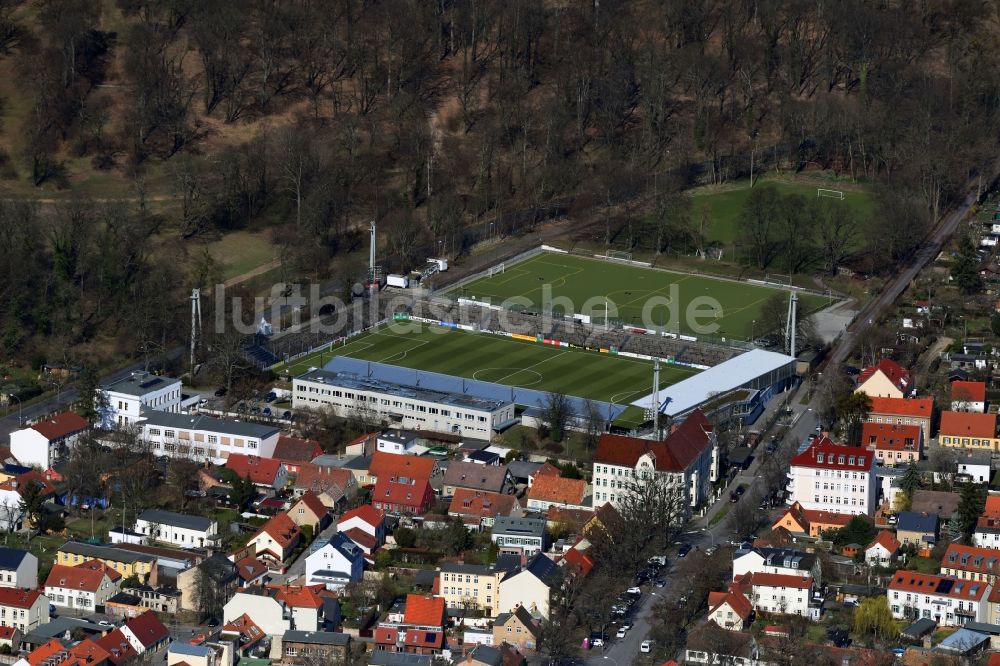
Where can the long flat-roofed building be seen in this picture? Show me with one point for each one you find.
(203, 437)
(409, 406)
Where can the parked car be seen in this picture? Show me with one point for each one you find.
(597, 642)
(266, 411)
(628, 624)
(271, 397)
(287, 415)
(621, 632)
(659, 582)
(684, 550)
(221, 391)
(646, 646)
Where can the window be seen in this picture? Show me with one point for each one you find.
(168, 433)
(154, 431)
(213, 439)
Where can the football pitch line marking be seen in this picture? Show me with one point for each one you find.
(399, 356)
(531, 367)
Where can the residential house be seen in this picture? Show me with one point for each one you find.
(399, 466)
(780, 593)
(206, 438)
(128, 563)
(529, 586)
(267, 473)
(893, 444)
(520, 536)
(47, 442)
(309, 510)
(883, 549)
(969, 430)
(987, 531)
(420, 631)
(968, 396)
(335, 563)
(293, 452)
(401, 442)
(975, 466)
(946, 600)
(518, 629)
(305, 648)
(971, 563)
(687, 460)
(277, 608)
(81, 587)
(276, 540)
(119, 650)
(402, 494)
(730, 609)
(179, 529)
(545, 469)
(333, 485)
(885, 379)
(246, 635)
(216, 572)
(145, 633)
(18, 568)
(304, 603)
(810, 522)
(474, 586)
(557, 491)
(833, 477)
(903, 411)
(125, 400)
(252, 572)
(363, 445)
(480, 509)
(471, 476)
(918, 529)
(365, 526)
(124, 604)
(784, 561)
(24, 610)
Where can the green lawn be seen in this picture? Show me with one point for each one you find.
(635, 295)
(724, 203)
(239, 252)
(502, 360)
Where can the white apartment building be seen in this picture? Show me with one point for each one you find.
(203, 437)
(24, 610)
(785, 561)
(781, 593)
(832, 477)
(687, 460)
(18, 568)
(80, 588)
(125, 399)
(946, 600)
(408, 407)
(48, 441)
(177, 528)
(475, 586)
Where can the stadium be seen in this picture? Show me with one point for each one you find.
(468, 348)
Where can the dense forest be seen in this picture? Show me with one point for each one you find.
(438, 117)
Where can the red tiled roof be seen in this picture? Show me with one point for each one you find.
(918, 407)
(963, 391)
(392, 464)
(826, 517)
(421, 638)
(311, 502)
(320, 480)
(894, 372)
(579, 560)
(780, 580)
(97, 565)
(36, 477)
(824, 453)
(480, 503)
(250, 569)
(890, 436)
(88, 651)
(558, 489)
(61, 425)
(296, 449)
(362, 538)
(402, 494)
(14, 597)
(945, 586)
(968, 424)
(148, 629)
(248, 630)
(972, 558)
(44, 651)
(736, 600)
(992, 506)
(674, 454)
(299, 596)
(425, 611)
(7, 632)
(281, 529)
(76, 578)
(117, 646)
(887, 540)
(365, 512)
(259, 470)
(547, 469)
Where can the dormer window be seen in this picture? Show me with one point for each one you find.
(819, 457)
(840, 460)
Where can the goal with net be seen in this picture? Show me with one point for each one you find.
(496, 270)
(829, 194)
(618, 255)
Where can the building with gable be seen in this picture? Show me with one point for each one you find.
(480, 509)
(47, 442)
(969, 430)
(893, 444)
(784, 561)
(293, 452)
(309, 510)
(549, 491)
(276, 540)
(810, 522)
(80, 587)
(971, 563)
(883, 549)
(903, 411)
(473, 476)
(687, 459)
(967, 396)
(25, 610)
(335, 563)
(529, 585)
(833, 477)
(885, 379)
(730, 609)
(267, 473)
(946, 600)
(18, 568)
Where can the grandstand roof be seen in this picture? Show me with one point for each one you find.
(727, 376)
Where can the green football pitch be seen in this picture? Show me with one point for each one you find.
(502, 360)
(643, 297)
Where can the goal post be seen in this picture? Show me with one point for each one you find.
(619, 255)
(497, 270)
(829, 194)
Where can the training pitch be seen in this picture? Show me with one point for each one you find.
(630, 288)
(502, 360)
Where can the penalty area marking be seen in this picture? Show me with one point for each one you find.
(510, 372)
